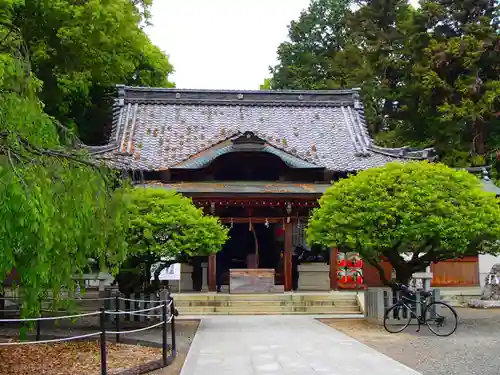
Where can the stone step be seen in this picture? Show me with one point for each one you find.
(269, 307)
(270, 304)
(355, 315)
(258, 312)
(266, 297)
(270, 310)
(330, 303)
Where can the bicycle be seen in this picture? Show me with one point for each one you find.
(434, 314)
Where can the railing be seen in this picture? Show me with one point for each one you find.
(166, 316)
(378, 300)
(138, 301)
(111, 301)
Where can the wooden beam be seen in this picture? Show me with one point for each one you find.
(333, 268)
(271, 197)
(165, 176)
(328, 176)
(212, 272)
(254, 220)
(287, 257)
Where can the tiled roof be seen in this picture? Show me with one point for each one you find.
(158, 129)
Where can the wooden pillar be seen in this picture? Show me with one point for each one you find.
(333, 268)
(212, 272)
(287, 257)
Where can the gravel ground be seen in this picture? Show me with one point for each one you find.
(473, 349)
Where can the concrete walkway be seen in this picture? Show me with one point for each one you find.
(281, 345)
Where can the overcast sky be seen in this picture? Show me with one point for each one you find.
(222, 44)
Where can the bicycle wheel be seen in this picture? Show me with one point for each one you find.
(441, 318)
(397, 318)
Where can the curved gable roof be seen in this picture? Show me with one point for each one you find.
(234, 144)
(157, 129)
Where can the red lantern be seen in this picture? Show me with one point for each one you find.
(341, 259)
(355, 276)
(342, 276)
(354, 260)
(279, 231)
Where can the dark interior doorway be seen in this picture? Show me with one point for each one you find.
(248, 166)
(242, 243)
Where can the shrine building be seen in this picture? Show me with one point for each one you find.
(259, 160)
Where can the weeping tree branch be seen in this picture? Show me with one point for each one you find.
(68, 134)
(19, 48)
(35, 150)
(435, 254)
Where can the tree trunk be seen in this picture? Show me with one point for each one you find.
(403, 274)
(479, 139)
(197, 275)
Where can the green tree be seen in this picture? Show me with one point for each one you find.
(429, 76)
(385, 31)
(266, 85)
(165, 227)
(81, 49)
(435, 71)
(58, 208)
(428, 211)
(460, 74)
(320, 53)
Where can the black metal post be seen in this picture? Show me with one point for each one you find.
(2, 305)
(103, 343)
(38, 329)
(172, 327)
(39, 322)
(165, 342)
(117, 318)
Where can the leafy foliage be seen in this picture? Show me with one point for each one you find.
(58, 209)
(456, 76)
(165, 226)
(266, 85)
(81, 49)
(429, 76)
(429, 211)
(320, 53)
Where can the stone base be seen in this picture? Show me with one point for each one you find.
(186, 283)
(314, 277)
(484, 304)
(204, 275)
(251, 281)
(279, 289)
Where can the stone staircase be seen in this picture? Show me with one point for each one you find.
(344, 303)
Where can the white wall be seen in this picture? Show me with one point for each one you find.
(486, 261)
(92, 280)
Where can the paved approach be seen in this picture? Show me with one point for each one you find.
(279, 345)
